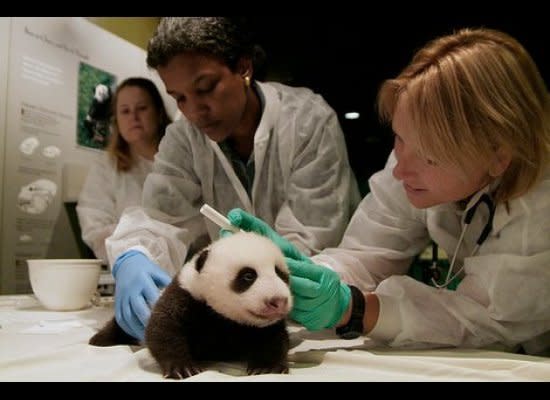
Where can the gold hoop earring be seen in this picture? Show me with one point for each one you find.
(247, 81)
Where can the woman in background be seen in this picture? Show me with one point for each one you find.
(116, 180)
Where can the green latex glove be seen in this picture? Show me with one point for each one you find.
(250, 223)
(320, 298)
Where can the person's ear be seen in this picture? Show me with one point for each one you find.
(501, 160)
(245, 67)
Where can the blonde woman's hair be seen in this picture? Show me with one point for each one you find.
(118, 147)
(471, 93)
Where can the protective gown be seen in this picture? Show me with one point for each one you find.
(504, 295)
(104, 196)
(303, 184)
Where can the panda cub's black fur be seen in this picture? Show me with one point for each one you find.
(228, 303)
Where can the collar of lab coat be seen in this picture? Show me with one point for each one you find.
(503, 214)
(271, 106)
(488, 189)
(523, 204)
(270, 115)
(456, 207)
(270, 112)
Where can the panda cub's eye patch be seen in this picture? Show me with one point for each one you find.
(249, 276)
(282, 274)
(244, 279)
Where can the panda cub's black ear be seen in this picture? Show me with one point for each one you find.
(201, 259)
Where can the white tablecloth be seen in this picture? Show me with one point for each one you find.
(41, 345)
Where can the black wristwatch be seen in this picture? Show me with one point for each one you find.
(354, 327)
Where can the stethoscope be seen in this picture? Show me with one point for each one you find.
(434, 271)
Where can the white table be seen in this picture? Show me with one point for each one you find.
(41, 345)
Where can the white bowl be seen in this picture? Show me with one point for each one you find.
(63, 285)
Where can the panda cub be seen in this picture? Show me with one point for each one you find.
(228, 303)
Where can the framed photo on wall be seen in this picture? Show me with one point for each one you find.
(95, 90)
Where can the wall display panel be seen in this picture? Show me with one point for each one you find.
(54, 69)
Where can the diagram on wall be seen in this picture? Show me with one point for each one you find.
(95, 90)
(36, 196)
(54, 73)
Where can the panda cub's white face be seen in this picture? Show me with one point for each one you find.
(243, 277)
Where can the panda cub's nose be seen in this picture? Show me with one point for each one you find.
(277, 304)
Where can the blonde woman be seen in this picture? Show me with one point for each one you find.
(116, 180)
(470, 171)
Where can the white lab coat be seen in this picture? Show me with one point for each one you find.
(303, 184)
(104, 196)
(504, 296)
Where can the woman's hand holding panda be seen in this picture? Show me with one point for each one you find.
(138, 282)
(321, 299)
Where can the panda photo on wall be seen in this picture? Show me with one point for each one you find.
(228, 303)
(99, 113)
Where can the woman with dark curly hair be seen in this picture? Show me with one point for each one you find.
(272, 149)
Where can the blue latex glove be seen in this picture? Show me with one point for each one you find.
(320, 298)
(250, 223)
(137, 287)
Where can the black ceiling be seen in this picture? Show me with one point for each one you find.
(345, 58)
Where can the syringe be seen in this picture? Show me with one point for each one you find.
(218, 218)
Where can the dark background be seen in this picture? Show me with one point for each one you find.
(346, 58)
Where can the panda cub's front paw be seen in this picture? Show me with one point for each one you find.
(274, 369)
(180, 371)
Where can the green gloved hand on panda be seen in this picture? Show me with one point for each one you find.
(321, 298)
(247, 222)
